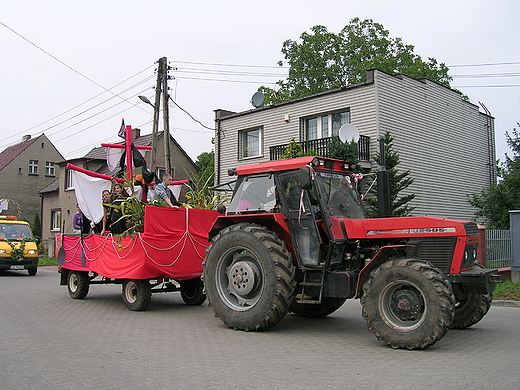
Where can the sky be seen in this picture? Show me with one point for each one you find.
(74, 69)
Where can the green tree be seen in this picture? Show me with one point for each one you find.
(294, 149)
(37, 226)
(346, 151)
(206, 164)
(322, 60)
(494, 204)
(398, 182)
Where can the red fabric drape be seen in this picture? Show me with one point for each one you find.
(173, 244)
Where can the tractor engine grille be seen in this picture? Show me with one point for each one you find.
(438, 251)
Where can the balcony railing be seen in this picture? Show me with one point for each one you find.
(321, 147)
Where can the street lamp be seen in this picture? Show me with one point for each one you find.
(146, 100)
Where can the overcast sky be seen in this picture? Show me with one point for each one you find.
(59, 58)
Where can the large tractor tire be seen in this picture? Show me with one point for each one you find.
(249, 277)
(78, 284)
(192, 292)
(407, 303)
(470, 308)
(323, 309)
(137, 294)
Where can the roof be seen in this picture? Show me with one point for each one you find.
(53, 186)
(13, 151)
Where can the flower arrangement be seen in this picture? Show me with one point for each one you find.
(18, 252)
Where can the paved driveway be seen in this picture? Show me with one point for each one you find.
(50, 341)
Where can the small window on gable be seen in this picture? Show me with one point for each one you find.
(43, 145)
(33, 167)
(49, 168)
(250, 143)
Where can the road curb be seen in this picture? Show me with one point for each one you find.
(506, 303)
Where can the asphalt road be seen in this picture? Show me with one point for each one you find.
(50, 341)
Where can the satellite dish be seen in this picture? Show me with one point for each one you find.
(258, 99)
(348, 133)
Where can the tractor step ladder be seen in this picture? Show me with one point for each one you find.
(304, 298)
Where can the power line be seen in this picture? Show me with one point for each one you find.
(489, 64)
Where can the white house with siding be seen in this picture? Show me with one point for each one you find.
(446, 142)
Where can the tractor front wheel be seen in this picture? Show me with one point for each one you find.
(407, 303)
(192, 292)
(249, 277)
(470, 308)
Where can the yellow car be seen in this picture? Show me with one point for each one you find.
(18, 247)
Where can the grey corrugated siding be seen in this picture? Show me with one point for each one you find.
(277, 132)
(440, 138)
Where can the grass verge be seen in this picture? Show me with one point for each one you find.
(507, 290)
(45, 261)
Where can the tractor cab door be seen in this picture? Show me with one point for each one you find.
(301, 219)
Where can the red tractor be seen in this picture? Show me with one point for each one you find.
(296, 238)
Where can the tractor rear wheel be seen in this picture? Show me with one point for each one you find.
(470, 308)
(407, 303)
(249, 277)
(323, 309)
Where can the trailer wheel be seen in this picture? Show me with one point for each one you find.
(327, 306)
(192, 292)
(407, 303)
(78, 284)
(137, 294)
(249, 277)
(470, 308)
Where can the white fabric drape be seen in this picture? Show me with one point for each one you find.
(88, 195)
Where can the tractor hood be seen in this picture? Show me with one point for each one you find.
(403, 227)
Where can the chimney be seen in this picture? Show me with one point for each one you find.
(136, 133)
(26, 137)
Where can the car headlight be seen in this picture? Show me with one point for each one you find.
(3, 252)
(32, 252)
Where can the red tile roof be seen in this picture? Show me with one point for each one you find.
(13, 151)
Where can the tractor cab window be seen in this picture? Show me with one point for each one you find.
(340, 195)
(254, 194)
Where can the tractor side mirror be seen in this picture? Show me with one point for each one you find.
(305, 178)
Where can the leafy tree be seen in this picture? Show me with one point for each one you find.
(37, 226)
(206, 163)
(322, 60)
(398, 182)
(494, 204)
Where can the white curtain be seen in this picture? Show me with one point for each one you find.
(88, 195)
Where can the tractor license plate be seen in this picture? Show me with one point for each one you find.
(16, 267)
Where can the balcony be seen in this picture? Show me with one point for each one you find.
(321, 147)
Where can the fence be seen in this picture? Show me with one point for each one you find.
(498, 249)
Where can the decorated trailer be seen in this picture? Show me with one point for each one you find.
(166, 257)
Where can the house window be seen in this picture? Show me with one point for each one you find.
(56, 220)
(321, 126)
(49, 168)
(250, 142)
(33, 167)
(69, 184)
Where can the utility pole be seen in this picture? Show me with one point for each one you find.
(156, 109)
(166, 119)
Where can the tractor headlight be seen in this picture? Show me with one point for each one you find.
(470, 256)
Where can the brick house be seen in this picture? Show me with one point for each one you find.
(25, 168)
(445, 141)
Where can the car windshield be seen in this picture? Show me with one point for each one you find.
(15, 231)
(340, 195)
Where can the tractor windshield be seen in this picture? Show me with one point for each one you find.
(340, 195)
(254, 194)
